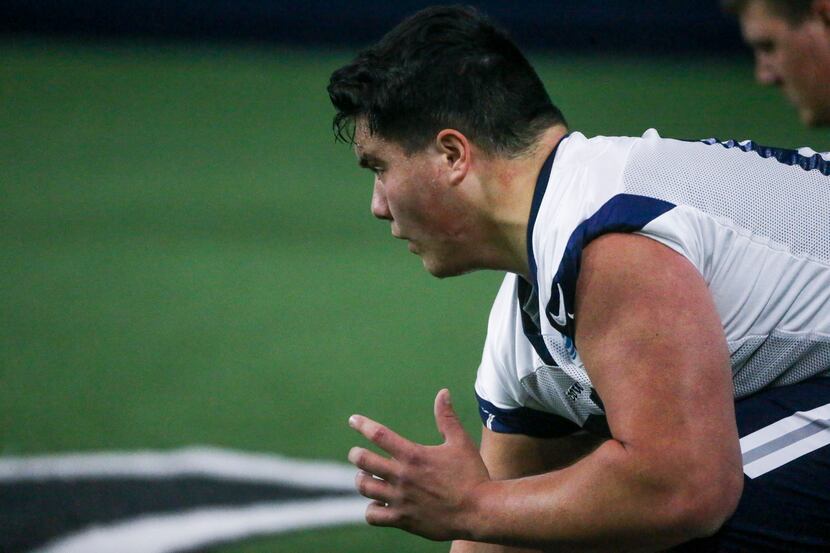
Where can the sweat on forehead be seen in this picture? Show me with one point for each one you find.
(366, 140)
(363, 134)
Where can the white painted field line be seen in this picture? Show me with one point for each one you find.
(192, 461)
(198, 528)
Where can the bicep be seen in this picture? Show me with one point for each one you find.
(653, 344)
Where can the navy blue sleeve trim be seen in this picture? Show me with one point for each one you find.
(523, 420)
(622, 213)
(782, 155)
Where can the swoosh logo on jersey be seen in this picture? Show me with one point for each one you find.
(561, 317)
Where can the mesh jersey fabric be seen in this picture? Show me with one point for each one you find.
(753, 221)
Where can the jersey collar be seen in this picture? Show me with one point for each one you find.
(539, 194)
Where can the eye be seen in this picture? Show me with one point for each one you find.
(764, 46)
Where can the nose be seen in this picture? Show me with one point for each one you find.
(765, 72)
(380, 208)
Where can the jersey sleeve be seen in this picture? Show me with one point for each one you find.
(497, 381)
(504, 405)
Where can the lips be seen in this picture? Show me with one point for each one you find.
(411, 245)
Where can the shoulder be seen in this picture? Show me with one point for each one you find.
(633, 289)
(629, 263)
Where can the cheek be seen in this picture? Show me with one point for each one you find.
(416, 198)
(404, 204)
(793, 57)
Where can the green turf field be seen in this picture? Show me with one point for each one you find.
(189, 258)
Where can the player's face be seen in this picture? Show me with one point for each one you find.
(794, 57)
(412, 192)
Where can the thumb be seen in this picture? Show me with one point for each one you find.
(445, 418)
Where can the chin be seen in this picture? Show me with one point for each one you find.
(444, 270)
(815, 115)
(815, 119)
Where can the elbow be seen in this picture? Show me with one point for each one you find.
(703, 504)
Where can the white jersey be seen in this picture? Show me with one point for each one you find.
(754, 221)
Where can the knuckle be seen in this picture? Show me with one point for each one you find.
(407, 478)
(404, 479)
(361, 483)
(378, 434)
(414, 456)
(395, 518)
(378, 516)
(395, 474)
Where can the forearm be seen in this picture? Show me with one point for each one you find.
(511, 456)
(477, 547)
(610, 500)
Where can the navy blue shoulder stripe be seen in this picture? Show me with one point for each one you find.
(788, 157)
(523, 420)
(622, 213)
(531, 330)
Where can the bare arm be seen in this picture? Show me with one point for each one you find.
(652, 342)
(653, 345)
(509, 456)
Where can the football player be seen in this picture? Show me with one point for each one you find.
(655, 372)
(791, 43)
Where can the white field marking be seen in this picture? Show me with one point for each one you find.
(784, 455)
(191, 461)
(168, 533)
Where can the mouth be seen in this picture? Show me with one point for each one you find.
(410, 245)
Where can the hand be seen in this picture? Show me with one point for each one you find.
(426, 490)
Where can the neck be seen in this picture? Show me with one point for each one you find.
(508, 195)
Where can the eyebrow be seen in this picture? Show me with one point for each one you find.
(762, 43)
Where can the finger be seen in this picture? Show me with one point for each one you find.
(445, 418)
(373, 463)
(379, 514)
(380, 435)
(373, 488)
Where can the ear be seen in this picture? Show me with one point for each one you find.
(456, 152)
(821, 9)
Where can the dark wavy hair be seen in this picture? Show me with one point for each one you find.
(444, 67)
(794, 11)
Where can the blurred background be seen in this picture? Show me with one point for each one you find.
(188, 257)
